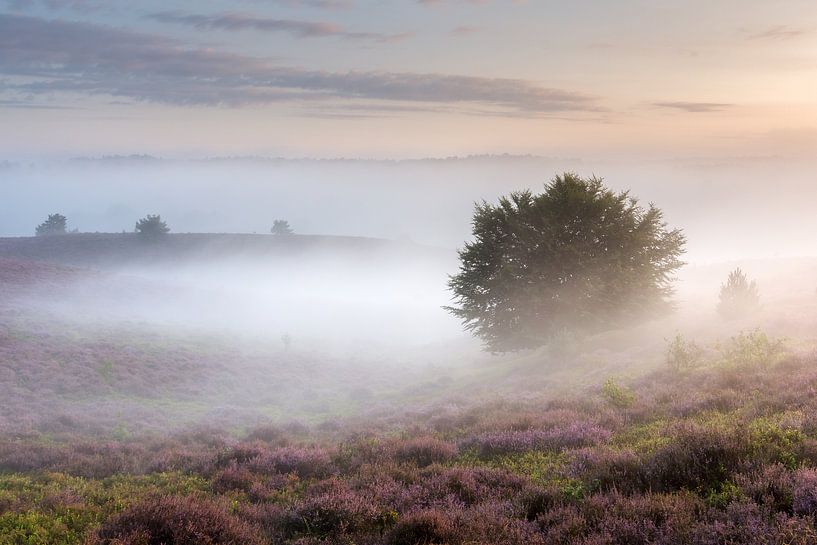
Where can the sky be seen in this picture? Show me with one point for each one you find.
(408, 78)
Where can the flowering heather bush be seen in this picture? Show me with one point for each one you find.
(269, 434)
(771, 487)
(177, 521)
(241, 453)
(804, 496)
(304, 461)
(424, 451)
(337, 511)
(574, 435)
(426, 526)
(605, 468)
(747, 523)
(697, 458)
(233, 477)
(471, 486)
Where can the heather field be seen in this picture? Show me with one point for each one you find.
(128, 429)
(408, 272)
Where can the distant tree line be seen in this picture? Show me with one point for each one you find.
(151, 225)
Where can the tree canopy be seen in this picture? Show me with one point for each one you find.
(152, 225)
(281, 227)
(55, 224)
(577, 258)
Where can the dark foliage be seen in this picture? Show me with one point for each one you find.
(577, 258)
(281, 227)
(176, 521)
(55, 224)
(152, 225)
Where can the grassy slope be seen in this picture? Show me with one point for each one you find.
(718, 454)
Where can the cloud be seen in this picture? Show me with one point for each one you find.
(51, 56)
(244, 21)
(79, 5)
(695, 107)
(464, 30)
(441, 2)
(321, 4)
(434, 3)
(91, 5)
(780, 32)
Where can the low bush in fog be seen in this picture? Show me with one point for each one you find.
(751, 348)
(738, 297)
(683, 354)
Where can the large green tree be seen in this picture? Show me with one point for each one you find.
(578, 258)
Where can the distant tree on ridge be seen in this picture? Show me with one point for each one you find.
(281, 227)
(55, 224)
(152, 225)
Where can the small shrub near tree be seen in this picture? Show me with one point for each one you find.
(152, 225)
(683, 355)
(753, 348)
(55, 224)
(618, 395)
(738, 297)
(281, 227)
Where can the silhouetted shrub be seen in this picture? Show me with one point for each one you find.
(738, 297)
(152, 225)
(281, 227)
(55, 224)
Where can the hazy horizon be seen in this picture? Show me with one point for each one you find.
(730, 210)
